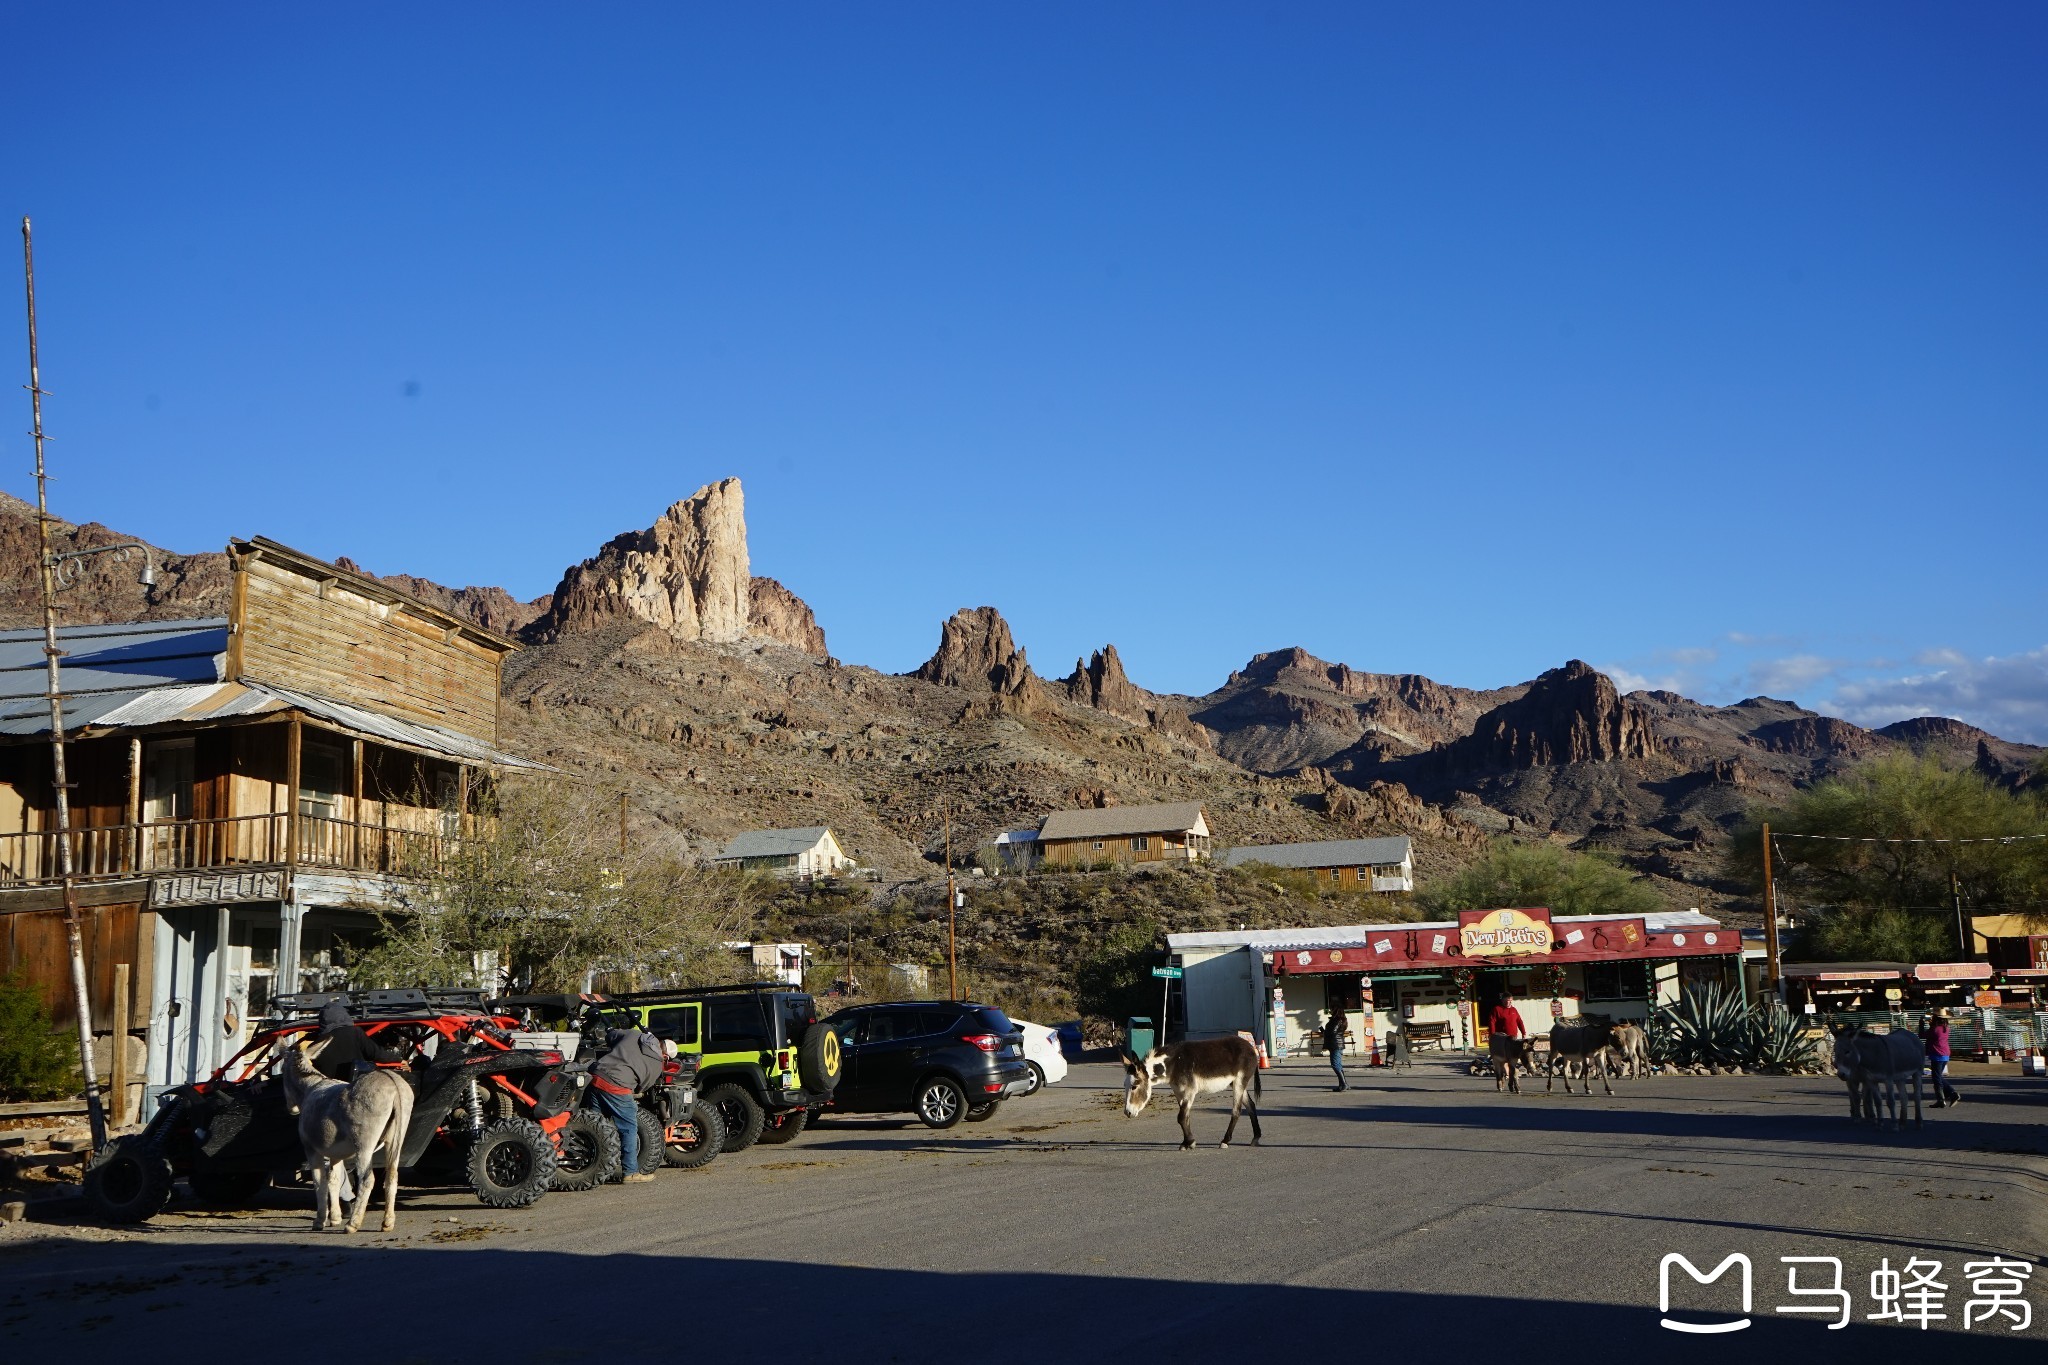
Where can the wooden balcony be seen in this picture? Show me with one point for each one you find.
(124, 852)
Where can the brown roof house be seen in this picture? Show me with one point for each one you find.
(1124, 835)
(244, 790)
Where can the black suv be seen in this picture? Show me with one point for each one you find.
(942, 1060)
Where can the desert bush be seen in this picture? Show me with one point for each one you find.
(37, 1061)
(1512, 873)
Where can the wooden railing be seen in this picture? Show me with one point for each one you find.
(107, 852)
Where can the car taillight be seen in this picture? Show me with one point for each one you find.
(987, 1042)
(782, 1060)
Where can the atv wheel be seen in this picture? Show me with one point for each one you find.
(784, 1127)
(982, 1113)
(228, 1189)
(704, 1139)
(586, 1152)
(512, 1163)
(650, 1143)
(940, 1102)
(740, 1112)
(128, 1181)
(818, 1061)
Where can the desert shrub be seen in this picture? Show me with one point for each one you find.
(1114, 979)
(37, 1061)
(1542, 874)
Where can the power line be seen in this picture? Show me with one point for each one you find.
(1871, 839)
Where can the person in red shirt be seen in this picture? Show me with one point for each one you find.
(1505, 1020)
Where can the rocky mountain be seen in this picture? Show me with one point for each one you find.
(662, 660)
(687, 575)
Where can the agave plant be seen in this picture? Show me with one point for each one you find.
(1709, 1026)
(1784, 1042)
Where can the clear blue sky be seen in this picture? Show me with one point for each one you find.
(1702, 342)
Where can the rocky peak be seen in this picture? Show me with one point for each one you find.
(1572, 714)
(687, 575)
(976, 651)
(1101, 683)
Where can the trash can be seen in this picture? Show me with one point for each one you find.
(1139, 1034)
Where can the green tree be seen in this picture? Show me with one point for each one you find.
(1513, 874)
(544, 895)
(1876, 857)
(1114, 980)
(37, 1062)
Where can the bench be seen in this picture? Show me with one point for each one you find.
(1428, 1035)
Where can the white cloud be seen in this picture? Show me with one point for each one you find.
(2007, 696)
(1792, 674)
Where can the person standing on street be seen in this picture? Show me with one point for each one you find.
(1333, 1043)
(1504, 1020)
(632, 1061)
(1934, 1032)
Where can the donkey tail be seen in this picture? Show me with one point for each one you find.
(1258, 1082)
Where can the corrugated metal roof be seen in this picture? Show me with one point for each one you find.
(774, 843)
(1354, 935)
(1323, 853)
(1175, 818)
(148, 673)
(104, 668)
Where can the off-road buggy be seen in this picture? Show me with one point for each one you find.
(677, 1126)
(766, 1062)
(500, 1117)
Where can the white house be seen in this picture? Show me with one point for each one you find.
(800, 854)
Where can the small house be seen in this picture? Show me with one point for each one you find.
(1354, 864)
(798, 854)
(1125, 835)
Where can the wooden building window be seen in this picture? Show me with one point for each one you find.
(167, 771)
(323, 777)
(1140, 844)
(1098, 845)
(1364, 874)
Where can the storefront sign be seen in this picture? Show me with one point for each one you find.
(214, 888)
(1989, 1000)
(1505, 933)
(1952, 971)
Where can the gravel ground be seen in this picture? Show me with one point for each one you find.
(1417, 1212)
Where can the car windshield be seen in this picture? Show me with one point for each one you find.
(993, 1019)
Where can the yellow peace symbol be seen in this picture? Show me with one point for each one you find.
(830, 1053)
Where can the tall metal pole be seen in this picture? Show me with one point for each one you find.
(952, 932)
(1955, 891)
(1770, 919)
(74, 937)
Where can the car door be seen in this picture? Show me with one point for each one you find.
(888, 1060)
(853, 1030)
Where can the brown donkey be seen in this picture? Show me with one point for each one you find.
(1193, 1070)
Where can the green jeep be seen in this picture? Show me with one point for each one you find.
(765, 1060)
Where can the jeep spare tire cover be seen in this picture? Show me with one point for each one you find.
(818, 1061)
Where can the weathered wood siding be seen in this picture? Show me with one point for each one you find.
(33, 947)
(297, 632)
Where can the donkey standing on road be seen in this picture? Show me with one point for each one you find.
(1878, 1068)
(1193, 1070)
(348, 1124)
(1582, 1041)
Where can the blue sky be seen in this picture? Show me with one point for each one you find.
(1703, 343)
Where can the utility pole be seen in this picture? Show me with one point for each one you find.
(1770, 919)
(623, 798)
(81, 998)
(952, 903)
(1955, 892)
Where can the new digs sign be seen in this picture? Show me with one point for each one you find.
(1504, 933)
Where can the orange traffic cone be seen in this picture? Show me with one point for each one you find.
(1265, 1064)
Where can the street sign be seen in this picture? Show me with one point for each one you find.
(1167, 973)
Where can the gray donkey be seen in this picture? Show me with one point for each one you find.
(348, 1124)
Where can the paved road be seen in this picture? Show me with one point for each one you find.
(1418, 1213)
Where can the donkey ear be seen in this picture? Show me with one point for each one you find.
(1129, 1059)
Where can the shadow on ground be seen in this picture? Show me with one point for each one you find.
(512, 1306)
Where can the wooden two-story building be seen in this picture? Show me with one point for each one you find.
(1120, 835)
(246, 791)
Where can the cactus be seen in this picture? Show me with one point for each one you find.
(1711, 1026)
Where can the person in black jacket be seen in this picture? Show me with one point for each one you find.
(1333, 1043)
(346, 1049)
